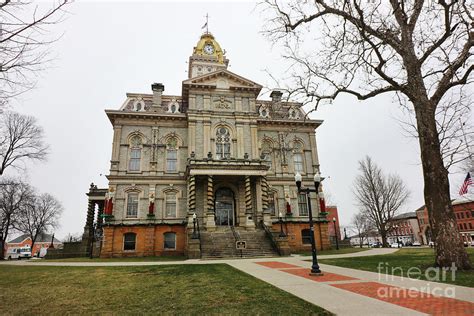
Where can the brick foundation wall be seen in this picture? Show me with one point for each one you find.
(293, 230)
(149, 240)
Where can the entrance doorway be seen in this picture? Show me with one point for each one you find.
(224, 207)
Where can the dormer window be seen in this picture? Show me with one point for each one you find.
(139, 106)
(264, 111)
(293, 113)
(173, 107)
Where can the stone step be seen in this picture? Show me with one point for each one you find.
(221, 244)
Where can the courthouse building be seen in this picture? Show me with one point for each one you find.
(215, 151)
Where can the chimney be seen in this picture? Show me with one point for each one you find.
(276, 95)
(157, 89)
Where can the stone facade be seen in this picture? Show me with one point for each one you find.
(215, 151)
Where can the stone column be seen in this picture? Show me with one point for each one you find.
(88, 229)
(191, 199)
(210, 220)
(100, 212)
(249, 221)
(267, 219)
(90, 216)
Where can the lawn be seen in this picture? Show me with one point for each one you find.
(334, 251)
(126, 259)
(405, 259)
(169, 289)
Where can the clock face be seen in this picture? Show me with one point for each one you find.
(209, 49)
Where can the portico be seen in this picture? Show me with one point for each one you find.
(232, 187)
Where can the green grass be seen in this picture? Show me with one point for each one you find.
(127, 259)
(169, 289)
(334, 251)
(421, 258)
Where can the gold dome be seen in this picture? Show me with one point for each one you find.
(208, 46)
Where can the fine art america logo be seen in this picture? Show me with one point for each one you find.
(386, 272)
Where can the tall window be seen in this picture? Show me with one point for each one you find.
(268, 160)
(170, 205)
(298, 162)
(267, 149)
(132, 205)
(222, 143)
(129, 241)
(172, 155)
(271, 203)
(302, 205)
(170, 241)
(135, 153)
(171, 160)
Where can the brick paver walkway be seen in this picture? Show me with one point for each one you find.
(406, 297)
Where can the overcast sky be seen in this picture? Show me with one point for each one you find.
(110, 48)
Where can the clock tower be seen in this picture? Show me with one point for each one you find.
(207, 57)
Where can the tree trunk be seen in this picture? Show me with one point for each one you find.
(448, 243)
(2, 248)
(383, 235)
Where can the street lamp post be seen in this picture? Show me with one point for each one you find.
(335, 232)
(194, 236)
(282, 233)
(396, 236)
(317, 180)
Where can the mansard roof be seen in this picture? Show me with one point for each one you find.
(213, 80)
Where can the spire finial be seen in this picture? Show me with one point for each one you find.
(206, 25)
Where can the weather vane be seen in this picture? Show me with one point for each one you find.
(206, 25)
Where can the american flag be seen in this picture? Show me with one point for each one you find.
(467, 182)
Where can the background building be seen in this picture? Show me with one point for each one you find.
(463, 211)
(215, 151)
(405, 228)
(42, 241)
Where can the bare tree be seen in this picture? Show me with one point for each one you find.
(20, 139)
(38, 216)
(379, 197)
(454, 119)
(419, 50)
(71, 237)
(24, 44)
(361, 226)
(14, 194)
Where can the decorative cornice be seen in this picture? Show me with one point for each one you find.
(114, 114)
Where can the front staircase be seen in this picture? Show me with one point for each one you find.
(220, 243)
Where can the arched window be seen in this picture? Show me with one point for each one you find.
(132, 205)
(222, 143)
(302, 204)
(129, 241)
(170, 241)
(306, 236)
(298, 161)
(172, 155)
(267, 149)
(271, 203)
(135, 153)
(170, 204)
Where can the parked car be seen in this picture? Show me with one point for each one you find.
(377, 244)
(431, 244)
(396, 245)
(416, 244)
(18, 253)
